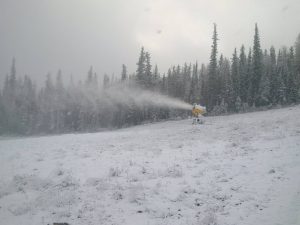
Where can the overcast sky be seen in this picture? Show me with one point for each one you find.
(45, 35)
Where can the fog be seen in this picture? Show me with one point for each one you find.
(71, 35)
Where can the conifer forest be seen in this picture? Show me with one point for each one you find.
(244, 81)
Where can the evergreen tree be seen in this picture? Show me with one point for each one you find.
(229, 95)
(47, 106)
(221, 77)
(235, 76)
(244, 83)
(238, 104)
(194, 96)
(282, 73)
(89, 80)
(155, 73)
(164, 86)
(95, 81)
(3, 116)
(249, 76)
(212, 72)
(297, 61)
(124, 73)
(264, 97)
(29, 106)
(148, 80)
(170, 83)
(274, 81)
(186, 82)
(292, 89)
(13, 77)
(257, 68)
(156, 79)
(10, 100)
(140, 72)
(59, 103)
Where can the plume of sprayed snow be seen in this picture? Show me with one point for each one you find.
(128, 95)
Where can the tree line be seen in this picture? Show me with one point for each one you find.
(249, 79)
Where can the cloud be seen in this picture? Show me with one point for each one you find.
(46, 35)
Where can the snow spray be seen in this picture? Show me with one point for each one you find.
(128, 95)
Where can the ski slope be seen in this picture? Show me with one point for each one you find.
(233, 170)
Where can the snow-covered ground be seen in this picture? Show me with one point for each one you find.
(234, 170)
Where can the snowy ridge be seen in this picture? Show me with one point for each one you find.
(233, 170)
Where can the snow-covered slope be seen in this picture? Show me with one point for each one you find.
(234, 170)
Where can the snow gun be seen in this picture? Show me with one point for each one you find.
(198, 111)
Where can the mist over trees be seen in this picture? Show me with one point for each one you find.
(248, 79)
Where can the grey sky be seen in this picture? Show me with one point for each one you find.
(45, 35)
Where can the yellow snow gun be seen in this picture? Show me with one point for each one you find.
(198, 110)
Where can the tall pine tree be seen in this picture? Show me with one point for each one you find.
(212, 73)
(257, 68)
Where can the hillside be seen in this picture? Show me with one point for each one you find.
(239, 169)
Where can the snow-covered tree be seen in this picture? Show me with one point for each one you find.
(244, 79)
(124, 73)
(212, 72)
(235, 74)
(257, 68)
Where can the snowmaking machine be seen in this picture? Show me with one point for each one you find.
(197, 112)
